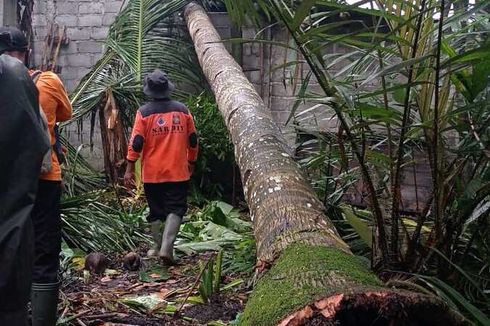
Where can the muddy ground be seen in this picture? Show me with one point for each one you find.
(108, 299)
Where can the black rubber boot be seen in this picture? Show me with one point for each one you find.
(44, 303)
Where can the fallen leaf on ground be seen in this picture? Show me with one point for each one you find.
(167, 292)
(78, 263)
(148, 302)
(111, 272)
(154, 274)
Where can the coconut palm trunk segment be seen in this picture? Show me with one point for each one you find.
(308, 272)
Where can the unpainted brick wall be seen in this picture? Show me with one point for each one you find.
(8, 12)
(87, 23)
(269, 68)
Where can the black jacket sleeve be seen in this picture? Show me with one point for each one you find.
(22, 146)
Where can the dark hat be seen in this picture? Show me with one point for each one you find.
(12, 39)
(157, 85)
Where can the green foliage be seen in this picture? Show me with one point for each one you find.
(241, 259)
(211, 277)
(213, 176)
(211, 228)
(218, 226)
(456, 300)
(67, 257)
(403, 84)
(155, 273)
(446, 292)
(91, 225)
(78, 176)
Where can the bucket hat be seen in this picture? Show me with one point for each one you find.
(157, 85)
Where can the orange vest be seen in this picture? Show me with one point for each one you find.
(57, 108)
(165, 138)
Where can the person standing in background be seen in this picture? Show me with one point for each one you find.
(165, 138)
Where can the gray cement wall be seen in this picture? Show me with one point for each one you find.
(279, 84)
(8, 13)
(87, 23)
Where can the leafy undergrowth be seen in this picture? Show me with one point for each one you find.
(186, 294)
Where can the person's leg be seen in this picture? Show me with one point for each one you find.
(47, 236)
(14, 318)
(154, 197)
(176, 207)
(16, 256)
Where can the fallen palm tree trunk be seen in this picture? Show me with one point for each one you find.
(313, 276)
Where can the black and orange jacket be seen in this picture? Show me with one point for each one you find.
(165, 137)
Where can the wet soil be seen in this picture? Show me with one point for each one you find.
(97, 301)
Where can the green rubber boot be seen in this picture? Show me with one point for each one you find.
(156, 234)
(44, 303)
(172, 226)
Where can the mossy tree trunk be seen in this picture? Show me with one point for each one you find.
(313, 273)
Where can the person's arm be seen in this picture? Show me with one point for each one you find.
(129, 174)
(193, 143)
(135, 148)
(56, 89)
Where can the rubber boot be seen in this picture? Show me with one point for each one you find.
(156, 234)
(44, 303)
(172, 226)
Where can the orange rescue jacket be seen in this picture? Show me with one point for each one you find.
(57, 108)
(165, 137)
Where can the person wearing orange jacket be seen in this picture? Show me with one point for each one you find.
(165, 138)
(45, 215)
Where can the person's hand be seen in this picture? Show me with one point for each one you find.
(129, 179)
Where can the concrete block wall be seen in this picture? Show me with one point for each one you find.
(87, 23)
(8, 12)
(279, 84)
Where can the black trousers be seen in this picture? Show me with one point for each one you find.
(46, 218)
(166, 198)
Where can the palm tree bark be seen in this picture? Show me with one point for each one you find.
(307, 270)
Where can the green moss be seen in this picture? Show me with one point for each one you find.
(301, 275)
